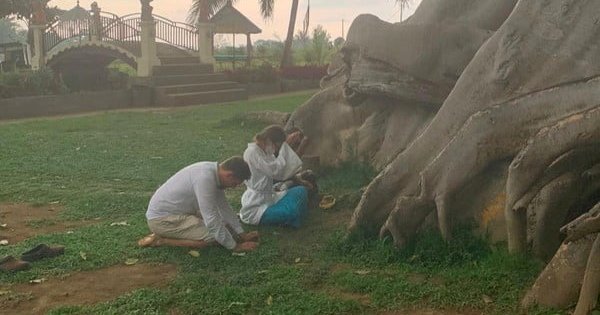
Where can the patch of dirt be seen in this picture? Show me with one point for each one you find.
(363, 299)
(431, 312)
(340, 267)
(318, 220)
(417, 278)
(24, 221)
(83, 288)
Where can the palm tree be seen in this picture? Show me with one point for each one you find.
(287, 49)
(404, 4)
(202, 10)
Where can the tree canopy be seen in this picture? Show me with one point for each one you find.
(22, 9)
(11, 32)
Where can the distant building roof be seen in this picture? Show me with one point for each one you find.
(76, 14)
(231, 21)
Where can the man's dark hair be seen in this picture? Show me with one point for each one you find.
(273, 133)
(238, 166)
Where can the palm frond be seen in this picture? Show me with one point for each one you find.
(266, 8)
(213, 7)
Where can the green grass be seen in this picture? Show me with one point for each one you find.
(106, 167)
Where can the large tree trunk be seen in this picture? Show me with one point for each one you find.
(459, 88)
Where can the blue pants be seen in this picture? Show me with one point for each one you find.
(289, 210)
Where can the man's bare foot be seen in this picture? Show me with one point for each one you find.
(151, 240)
(245, 247)
(251, 236)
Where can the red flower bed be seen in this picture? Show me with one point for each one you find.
(304, 72)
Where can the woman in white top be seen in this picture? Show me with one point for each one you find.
(261, 204)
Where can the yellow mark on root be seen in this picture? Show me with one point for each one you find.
(493, 210)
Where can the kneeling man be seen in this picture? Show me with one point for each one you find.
(190, 209)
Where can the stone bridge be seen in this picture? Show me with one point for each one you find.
(139, 39)
(174, 59)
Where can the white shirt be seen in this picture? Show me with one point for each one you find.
(194, 190)
(265, 168)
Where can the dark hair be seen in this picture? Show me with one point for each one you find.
(238, 166)
(273, 133)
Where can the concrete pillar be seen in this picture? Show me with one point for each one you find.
(38, 61)
(205, 43)
(149, 57)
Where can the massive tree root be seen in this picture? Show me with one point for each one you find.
(574, 270)
(482, 120)
(460, 88)
(560, 282)
(569, 147)
(478, 144)
(588, 297)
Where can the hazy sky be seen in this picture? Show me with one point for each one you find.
(328, 13)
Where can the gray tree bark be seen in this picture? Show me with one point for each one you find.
(458, 88)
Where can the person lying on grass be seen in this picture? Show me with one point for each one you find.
(190, 209)
(271, 158)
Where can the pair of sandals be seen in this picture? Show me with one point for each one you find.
(11, 264)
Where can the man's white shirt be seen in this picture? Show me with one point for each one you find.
(194, 190)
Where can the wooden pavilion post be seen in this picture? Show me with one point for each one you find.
(248, 50)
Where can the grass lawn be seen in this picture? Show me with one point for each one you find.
(104, 168)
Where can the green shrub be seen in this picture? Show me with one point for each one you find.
(30, 83)
(265, 73)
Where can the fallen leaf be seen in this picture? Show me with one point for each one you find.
(4, 242)
(122, 223)
(362, 272)
(487, 299)
(131, 261)
(3, 225)
(37, 281)
(327, 202)
(238, 254)
(83, 255)
(70, 232)
(194, 253)
(262, 272)
(297, 260)
(270, 300)
(54, 202)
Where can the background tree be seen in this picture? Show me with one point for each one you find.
(22, 9)
(202, 10)
(321, 44)
(11, 31)
(287, 49)
(404, 4)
